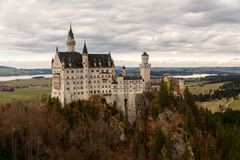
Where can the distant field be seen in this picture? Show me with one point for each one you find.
(195, 83)
(42, 82)
(199, 88)
(24, 94)
(213, 105)
(235, 105)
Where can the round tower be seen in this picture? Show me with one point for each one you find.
(145, 68)
(145, 58)
(123, 71)
(71, 42)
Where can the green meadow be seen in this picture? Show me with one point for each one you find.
(204, 88)
(25, 94)
(24, 82)
(213, 105)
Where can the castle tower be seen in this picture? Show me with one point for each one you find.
(123, 71)
(85, 71)
(71, 42)
(145, 70)
(85, 55)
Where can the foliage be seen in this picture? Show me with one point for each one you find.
(92, 130)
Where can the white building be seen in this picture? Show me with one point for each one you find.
(78, 76)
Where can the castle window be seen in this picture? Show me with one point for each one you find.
(67, 77)
(72, 71)
(92, 70)
(67, 71)
(67, 83)
(81, 92)
(67, 88)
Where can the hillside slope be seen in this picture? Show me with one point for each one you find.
(175, 129)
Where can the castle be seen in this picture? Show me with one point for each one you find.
(78, 76)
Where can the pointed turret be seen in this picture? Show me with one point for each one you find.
(85, 48)
(85, 53)
(70, 33)
(71, 42)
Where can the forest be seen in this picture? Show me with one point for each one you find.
(165, 128)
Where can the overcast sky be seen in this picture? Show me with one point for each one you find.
(174, 32)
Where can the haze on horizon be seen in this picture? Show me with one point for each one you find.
(182, 33)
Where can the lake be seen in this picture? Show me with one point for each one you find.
(194, 76)
(9, 78)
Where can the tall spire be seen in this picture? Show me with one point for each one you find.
(70, 32)
(85, 47)
(71, 42)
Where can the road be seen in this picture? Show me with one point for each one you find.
(229, 102)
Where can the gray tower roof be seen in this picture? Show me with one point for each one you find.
(85, 48)
(70, 33)
(144, 54)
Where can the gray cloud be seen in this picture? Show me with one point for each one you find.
(183, 30)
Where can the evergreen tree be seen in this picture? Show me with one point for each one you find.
(164, 98)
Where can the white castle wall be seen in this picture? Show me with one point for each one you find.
(72, 84)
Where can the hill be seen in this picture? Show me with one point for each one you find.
(165, 128)
(5, 67)
(11, 71)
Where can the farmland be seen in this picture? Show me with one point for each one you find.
(28, 89)
(204, 88)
